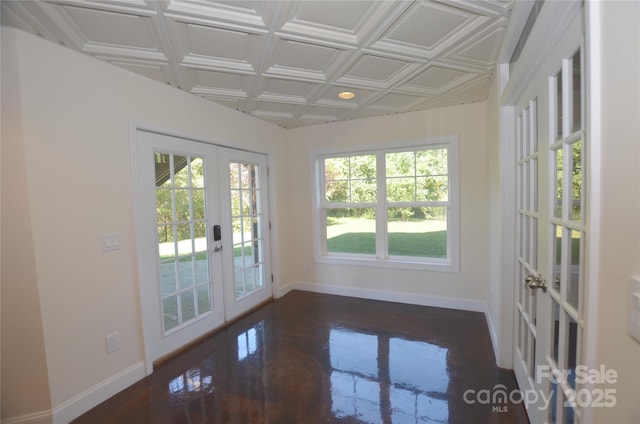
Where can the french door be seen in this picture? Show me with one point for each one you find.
(550, 231)
(203, 238)
(244, 188)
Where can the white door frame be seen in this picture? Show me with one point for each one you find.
(145, 308)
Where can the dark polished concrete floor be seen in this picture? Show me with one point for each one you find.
(312, 358)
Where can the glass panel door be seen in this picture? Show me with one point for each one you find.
(183, 257)
(180, 270)
(530, 252)
(243, 175)
(568, 232)
(551, 232)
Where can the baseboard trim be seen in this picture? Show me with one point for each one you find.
(81, 403)
(492, 334)
(392, 296)
(42, 417)
(285, 288)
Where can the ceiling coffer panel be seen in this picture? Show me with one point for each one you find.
(287, 61)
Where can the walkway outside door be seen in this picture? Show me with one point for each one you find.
(203, 238)
(550, 218)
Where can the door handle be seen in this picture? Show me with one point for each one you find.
(536, 282)
(218, 248)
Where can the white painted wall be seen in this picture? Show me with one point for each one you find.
(614, 199)
(75, 136)
(24, 368)
(499, 295)
(467, 288)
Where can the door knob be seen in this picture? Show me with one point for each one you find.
(218, 248)
(536, 282)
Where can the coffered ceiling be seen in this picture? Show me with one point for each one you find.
(286, 61)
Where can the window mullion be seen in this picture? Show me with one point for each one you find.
(381, 208)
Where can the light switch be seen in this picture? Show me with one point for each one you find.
(633, 320)
(110, 242)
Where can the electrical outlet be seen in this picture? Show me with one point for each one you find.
(113, 342)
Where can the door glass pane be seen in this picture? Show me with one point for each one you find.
(576, 180)
(522, 286)
(577, 92)
(170, 312)
(181, 171)
(183, 258)
(559, 117)
(525, 133)
(182, 204)
(185, 239)
(573, 289)
(417, 232)
(525, 340)
(532, 355)
(523, 236)
(534, 179)
(555, 330)
(533, 125)
(188, 305)
(558, 183)
(534, 308)
(553, 409)
(197, 173)
(534, 242)
(246, 200)
(527, 186)
(572, 350)
(520, 184)
(197, 197)
(204, 298)
(556, 236)
(521, 334)
(185, 272)
(567, 411)
(167, 276)
(569, 414)
(527, 246)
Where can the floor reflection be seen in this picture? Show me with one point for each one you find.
(190, 391)
(248, 341)
(190, 382)
(377, 378)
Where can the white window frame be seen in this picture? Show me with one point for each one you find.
(449, 264)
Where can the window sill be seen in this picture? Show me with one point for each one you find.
(390, 263)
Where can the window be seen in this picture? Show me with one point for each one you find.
(393, 206)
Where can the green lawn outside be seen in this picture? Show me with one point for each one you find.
(417, 238)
